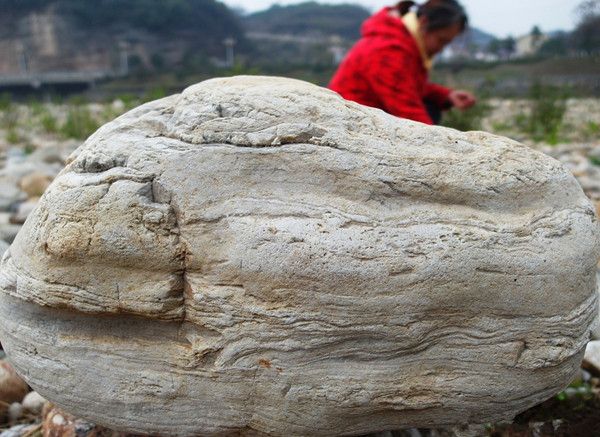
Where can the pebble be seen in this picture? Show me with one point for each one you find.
(469, 431)
(3, 247)
(591, 359)
(12, 387)
(34, 184)
(15, 412)
(19, 430)
(9, 195)
(33, 402)
(23, 211)
(8, 232)
(57, 423)
(50, 155)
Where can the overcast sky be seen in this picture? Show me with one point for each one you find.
(499, 17)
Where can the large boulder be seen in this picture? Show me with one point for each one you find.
(257, 255)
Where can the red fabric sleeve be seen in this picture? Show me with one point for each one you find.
(438, 95)
(395, 81)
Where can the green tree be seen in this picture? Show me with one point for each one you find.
(536, 34)
(586, 36)
(555, 46)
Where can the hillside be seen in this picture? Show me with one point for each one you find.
(66, 35)
(477, 37)
(312, 33)
(309, 18)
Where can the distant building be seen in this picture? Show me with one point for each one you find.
(528, 45)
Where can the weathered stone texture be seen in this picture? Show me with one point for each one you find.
(258, 255)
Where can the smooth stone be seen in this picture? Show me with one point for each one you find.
(58, 423)
(15, 412)
(3, 247)
(34, 402)
(259, 256)
(23, 211)
(12, 387)
(34, 184)
(592, 356)
(21, 431)
(8, 232)
(10, 194)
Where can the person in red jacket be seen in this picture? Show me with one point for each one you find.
(388, 68)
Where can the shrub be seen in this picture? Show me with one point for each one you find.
(548, 107)
(79, 123)
(49, 123)
(28, 149)
(594, 160)
(154, 94)
(13, 137)
(469, 119)
(5, 102)
(130, 101)
(9, 119)
(37, 108)
(592, 130)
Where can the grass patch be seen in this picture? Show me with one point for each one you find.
(130, 101)
(13, 137)
(49, 123)
(594, 160)
(548, 107)
(28, 149)
(154, 94)
(5, 102)
(592, 129)
(469, 119)
(79, 124)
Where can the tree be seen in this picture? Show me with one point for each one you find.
(536, 35)
(494, 46)
(587, 9)
(507, 47)
(556, 46)
(586, 36)
(504, 48)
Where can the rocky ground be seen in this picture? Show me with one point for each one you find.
(36, 140)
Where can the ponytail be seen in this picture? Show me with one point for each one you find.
(404, 7)
(439, 13)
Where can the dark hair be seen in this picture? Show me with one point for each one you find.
(439, 13)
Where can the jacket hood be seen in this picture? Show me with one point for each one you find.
(383, 25)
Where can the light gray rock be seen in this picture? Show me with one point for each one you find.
(10, 194)
(33, 402)
(54, 152)
(23, 211)
(19, 430)
(257, 255)
(34, 184)
(3, 247)
(9, 232)
(15, 171)
(592, 355)
(12, 386)
(15, 412)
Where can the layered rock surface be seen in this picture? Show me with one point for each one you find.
(257, 255)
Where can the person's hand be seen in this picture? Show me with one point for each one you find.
(462, 99)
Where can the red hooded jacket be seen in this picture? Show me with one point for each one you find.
(385, 70)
